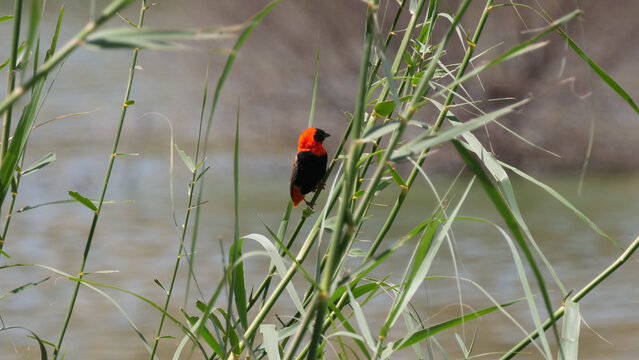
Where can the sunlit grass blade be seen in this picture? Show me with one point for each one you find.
(186, 159)
(426, 252)
(361, 320)
(277, 262)
(270, 336)
(127, 37)
(417, 145)
(523, 279)
(432, 330)
(570, 331)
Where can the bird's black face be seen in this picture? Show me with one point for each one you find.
(320, 135)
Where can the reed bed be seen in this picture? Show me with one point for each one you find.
(403, 75)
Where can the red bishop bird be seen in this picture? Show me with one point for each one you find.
(309, 166)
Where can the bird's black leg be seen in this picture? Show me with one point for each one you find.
(309, 204)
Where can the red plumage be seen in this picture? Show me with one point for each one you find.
(309, 166)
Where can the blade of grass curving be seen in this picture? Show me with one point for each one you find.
(83, 200)
(361, 320)
(277, 262)
(41, 343)
(599, 71)
(419, 144)
(510, 219)
(523, 279)
(419, 270)
(432, 330)
(186, 159)
(570, 331)
(562, 200)
(499, 174)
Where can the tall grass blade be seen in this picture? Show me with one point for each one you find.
(361, 320)
(277, 262)
(432, 330)
(570, 331)
(523, 279)
(271, 343)
(421, 268)
(510, 219)
(127, 37)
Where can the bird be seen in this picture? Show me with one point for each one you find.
(309, 165)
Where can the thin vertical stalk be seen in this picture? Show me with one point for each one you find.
(11, 79)
(350, 173)
(107, 176)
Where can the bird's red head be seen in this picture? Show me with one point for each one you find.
(311, 140)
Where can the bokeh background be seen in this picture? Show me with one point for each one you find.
(272, 80)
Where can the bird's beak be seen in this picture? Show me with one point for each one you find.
(327, 134)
